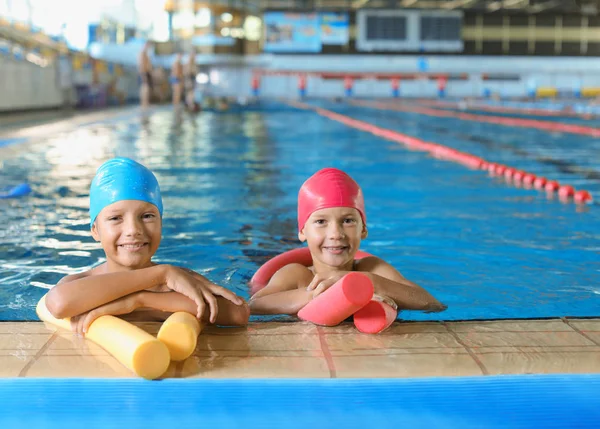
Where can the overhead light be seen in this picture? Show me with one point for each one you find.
(202, 78)
(184, 21)
(225, 32)
(226, 17)
(252, 28)
(202, 18)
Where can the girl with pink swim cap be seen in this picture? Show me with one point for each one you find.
(332, 221)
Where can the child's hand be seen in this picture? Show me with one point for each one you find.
(124, 305)
(321, 282)
(200, 290)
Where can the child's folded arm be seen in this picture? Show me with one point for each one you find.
(119, 307)
(286, 292)
(289, 277)
(76, 295)
(387, 281)
(73, 296)
(287, 302)
(152, 306)
(229, 314)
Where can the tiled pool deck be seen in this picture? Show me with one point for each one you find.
(33, 349)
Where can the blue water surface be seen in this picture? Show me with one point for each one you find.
(230, 181)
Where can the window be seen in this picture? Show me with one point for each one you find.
(386, 28)
(440, 28)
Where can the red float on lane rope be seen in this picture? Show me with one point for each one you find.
(540, 183)
(566, 191)
(529, 179)
(582, 197)
(518, 176)
(552, 186)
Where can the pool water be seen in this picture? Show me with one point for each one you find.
(230, 180)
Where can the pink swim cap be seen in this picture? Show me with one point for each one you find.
(328, 188)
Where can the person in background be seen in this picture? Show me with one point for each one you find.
(190, 81)
(177, 80)
(145, 71)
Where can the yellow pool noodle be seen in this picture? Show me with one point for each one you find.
(180, 334)
(133, 347)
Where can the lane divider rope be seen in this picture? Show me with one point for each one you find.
(503, 109)
(496, 120)
(519, 178)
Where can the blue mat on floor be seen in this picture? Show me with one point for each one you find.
(550, 401)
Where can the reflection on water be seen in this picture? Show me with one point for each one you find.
(230, 182)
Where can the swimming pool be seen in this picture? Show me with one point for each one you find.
(230, 181)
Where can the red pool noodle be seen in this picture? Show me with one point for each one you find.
(348, 295)
(296, 256)
(375, 317)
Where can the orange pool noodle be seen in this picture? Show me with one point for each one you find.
(340, 301)
(180, 334)
(136, 349)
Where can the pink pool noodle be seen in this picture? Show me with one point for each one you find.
(340, 301)
(375, 317)
(297, 256)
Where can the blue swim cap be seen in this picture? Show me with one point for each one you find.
(121, 179)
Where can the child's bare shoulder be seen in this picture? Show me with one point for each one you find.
(297, 269)
(72, 277)
(370, 263)
(296, 273)
(375, 265)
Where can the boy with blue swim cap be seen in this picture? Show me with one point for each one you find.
(126, 218)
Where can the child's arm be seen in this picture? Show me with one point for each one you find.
(288, 302)
(286, 278)
(406, 294)
(160, 306)
(75, 296)
(387, 281)
(229, 314)
(286, 292)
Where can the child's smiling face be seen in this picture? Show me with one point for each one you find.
(130, 233)
(333, 236)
